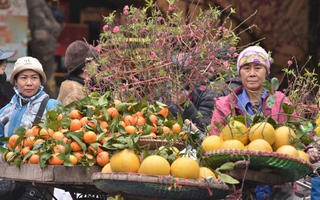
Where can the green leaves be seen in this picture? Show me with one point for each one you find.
(228, 166)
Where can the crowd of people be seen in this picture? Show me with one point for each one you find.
(246, 98)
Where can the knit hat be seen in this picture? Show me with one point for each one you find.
(5, 54)
(76, 55)
(27, 62)
(254, 54)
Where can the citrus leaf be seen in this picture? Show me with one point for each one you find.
(228, 166)
(227, 179)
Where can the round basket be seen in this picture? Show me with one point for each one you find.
(156, 143)
(139, 186)
(291, 168)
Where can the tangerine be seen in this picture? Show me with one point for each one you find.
(176, 128)
(54, 160)
(102, 158)
(75, 125)
(89, 137)
(75, 114)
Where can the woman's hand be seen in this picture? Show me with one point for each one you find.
(313, 154)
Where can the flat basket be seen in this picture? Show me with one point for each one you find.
(291, 168)
(156, 143)
(140, 186)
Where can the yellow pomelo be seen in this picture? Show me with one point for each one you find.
(211, 143)
(288, 149)
(303, 155)
(156, 165)
(185, 167)
(232, 144)
(235, 130)
(259, 144)
(125, 161)
(284, 136)
(205, 172)
(262, 130)
(106, 168)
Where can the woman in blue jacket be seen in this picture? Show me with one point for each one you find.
(27, 77)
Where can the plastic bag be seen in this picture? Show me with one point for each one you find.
(315, 188)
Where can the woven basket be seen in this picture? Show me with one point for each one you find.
(156, 143)
(290, 167)
(139, 186)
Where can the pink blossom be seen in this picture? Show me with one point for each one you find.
(135, 20)
(126, 12)
(226, 31)
(289, 63)
(191, 34)
(232, 48)
(153, 55)
(98, 48)
(105, 27)
(116, 29)
(159, 18)
(225, 63)
(171, 7)
(211, 57)
(202, 88)
(235, 55)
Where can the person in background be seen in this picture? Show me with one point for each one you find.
(77, 55)
(28, 78)
(4, 55)
(197, 104)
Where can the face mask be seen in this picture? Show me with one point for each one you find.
(3, 78)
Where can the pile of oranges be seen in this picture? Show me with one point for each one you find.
(86, 132)
(260, 136)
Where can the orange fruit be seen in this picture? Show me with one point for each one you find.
(59, 148)
(185, 167)
(303, 155)
(130, 129)
(84, 120)
(262, 130)
(35, 130)
(112, 112)
(75, 125)
(34, 159)
(260, 145)
(78, 155)
(235, 130)
(89, 137)
(106, 169)
(103, 124)
(24, 151)
(211, 143)
(102, 158)
(54, 160)
(153, 119)
(38, 141)
(284, 136)
(232, 144)
(166, 129)
(10, 156)
(176, 128)
(28, 132)
(12, 140)
(155, 165)
(205, 173)
(288, 149)
(59, 117)
(75, 146)
(116, 102)
(75, 114)
(140, 121)
(58, 135)
(29, 141)
(164, 111)
(44, 133)
(130, 120)
(125, 161)
(73, 159)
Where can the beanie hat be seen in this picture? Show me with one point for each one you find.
(76, 55)
(27, 62)
(254, 54)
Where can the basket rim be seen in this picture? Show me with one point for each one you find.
(258, 153)
(159, 142)
(168, 180)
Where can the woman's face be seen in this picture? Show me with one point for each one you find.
(252, 76)
(28, 82)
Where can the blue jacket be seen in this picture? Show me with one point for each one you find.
(14, 114)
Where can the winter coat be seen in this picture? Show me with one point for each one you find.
(227, 105)
(201, 103)
(70, 91)
(14, 114)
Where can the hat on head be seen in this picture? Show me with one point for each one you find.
(76, 55)
(5, 54)
(254, 54)
(27, 62)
